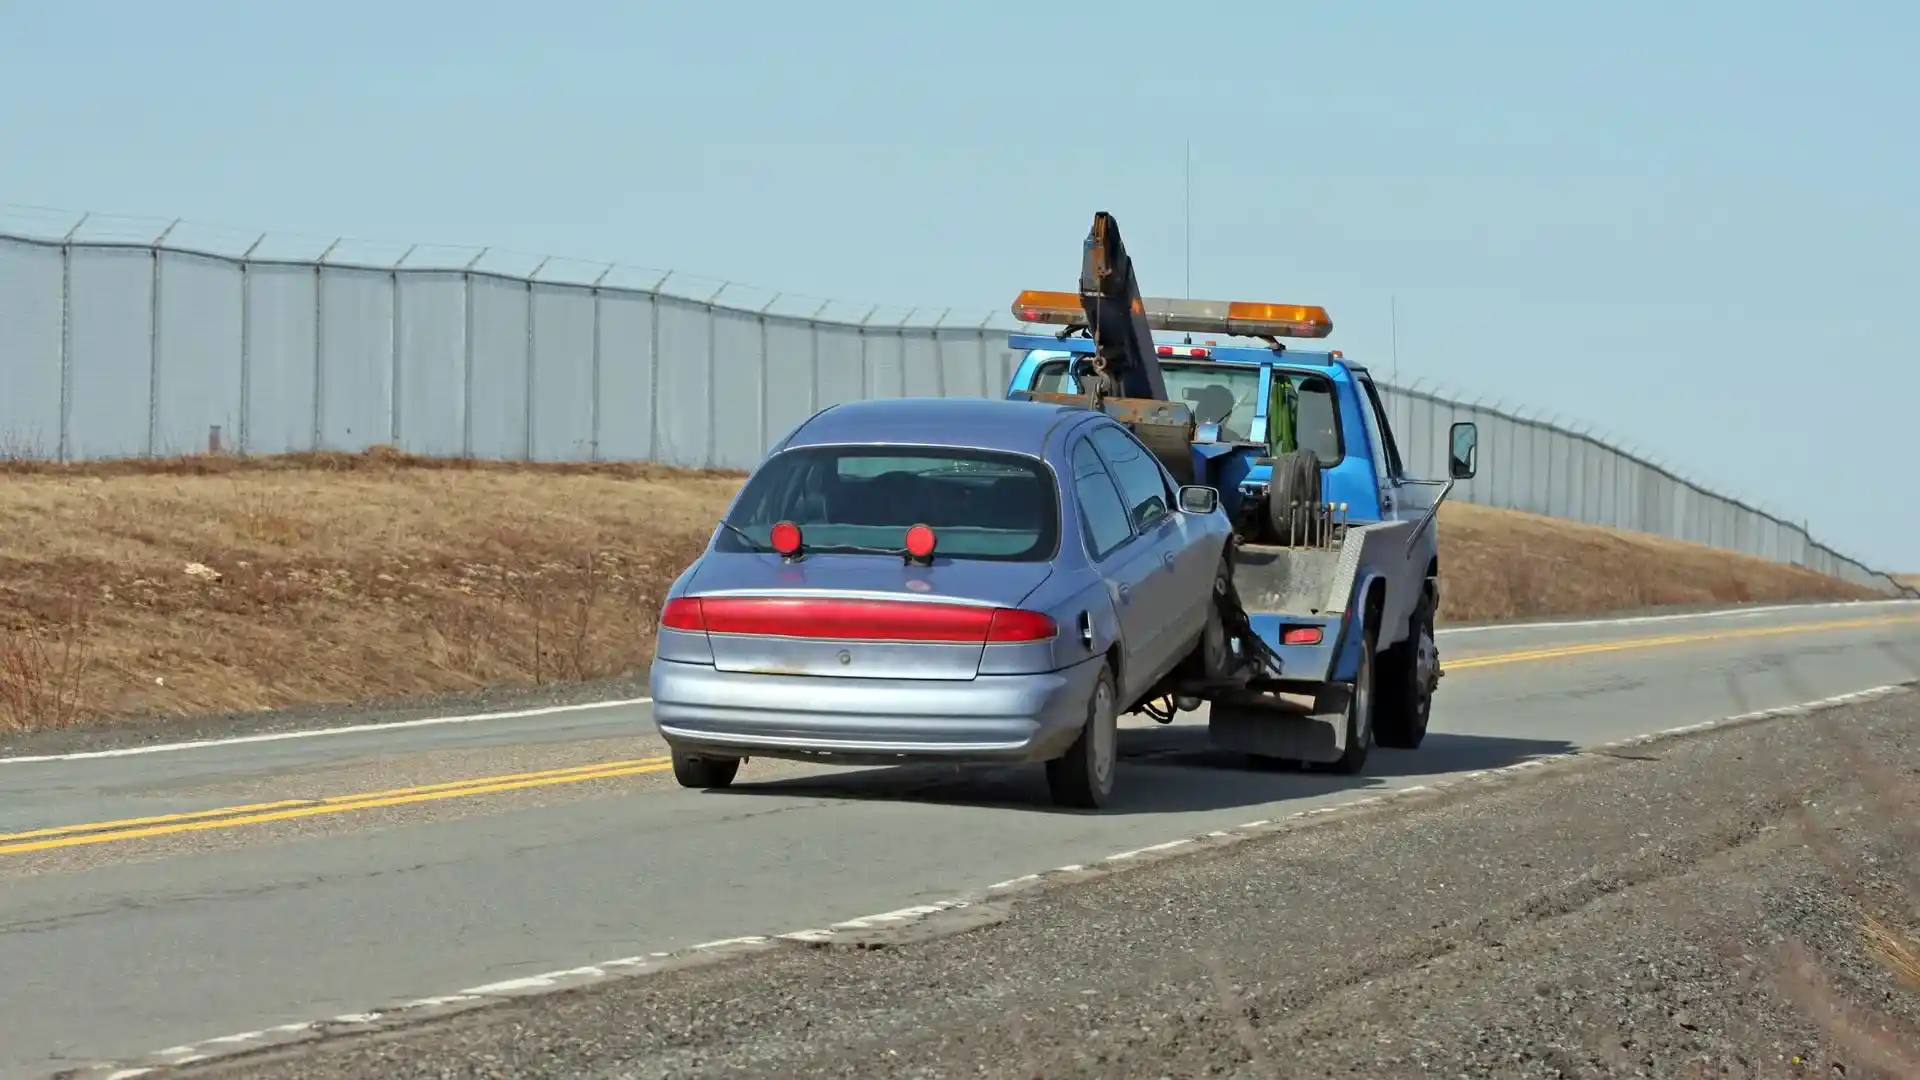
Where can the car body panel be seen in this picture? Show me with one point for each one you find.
(991, 718)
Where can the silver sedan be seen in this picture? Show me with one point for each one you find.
(916, 579)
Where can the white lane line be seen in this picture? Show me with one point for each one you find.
(578, 976)
(314, 733)
(520, 714)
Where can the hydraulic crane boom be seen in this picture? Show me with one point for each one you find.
(1124, 362)
(1122, 376)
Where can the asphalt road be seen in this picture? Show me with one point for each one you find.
(1692, 907)
(255, 884)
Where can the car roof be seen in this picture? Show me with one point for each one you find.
(1019, 427)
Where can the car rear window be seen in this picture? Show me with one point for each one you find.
(981, 504)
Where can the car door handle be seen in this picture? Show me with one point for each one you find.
(1166, 559)
(1126, 593)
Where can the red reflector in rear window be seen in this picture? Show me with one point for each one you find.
(859, 620)
(1301, 635)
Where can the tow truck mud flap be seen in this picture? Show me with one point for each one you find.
(1296, 728)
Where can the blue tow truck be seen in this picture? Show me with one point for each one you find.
(1335, 565)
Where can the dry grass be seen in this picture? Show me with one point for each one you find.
(212, 585)
(1502, 564)
(222, 584)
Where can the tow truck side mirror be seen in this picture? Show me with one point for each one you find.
(1463, 442)
(1198, 499)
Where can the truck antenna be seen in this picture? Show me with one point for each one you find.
(1393, 321)
(1187, 228)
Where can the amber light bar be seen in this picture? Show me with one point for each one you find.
(1237, 317)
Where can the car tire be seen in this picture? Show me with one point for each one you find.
(1216, 652)
(694, 771)
(1082, 778)
(1406, 691)
(1360, 706)
(1293, 494)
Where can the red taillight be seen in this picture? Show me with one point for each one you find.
(785, 537)
(1165, 350)
(920, 541)
(1301, 635)
(1015, 624)
(858, 620)
(684, 613)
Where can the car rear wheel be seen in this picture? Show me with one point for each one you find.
(1083, 776)
(693, 771)
(1216, 654)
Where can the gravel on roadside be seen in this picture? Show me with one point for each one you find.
(1636, 914)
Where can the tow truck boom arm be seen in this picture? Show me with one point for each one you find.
(1116, 316)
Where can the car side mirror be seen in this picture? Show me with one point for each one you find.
(1463, 442)
(1198, 499)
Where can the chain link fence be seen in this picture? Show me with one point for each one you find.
(122, 338)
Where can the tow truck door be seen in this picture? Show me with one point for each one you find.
(1399, 501)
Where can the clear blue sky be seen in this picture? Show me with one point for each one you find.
(1693, 225)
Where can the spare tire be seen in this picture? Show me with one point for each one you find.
(1293, 499)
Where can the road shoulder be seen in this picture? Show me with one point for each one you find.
(1635, 909)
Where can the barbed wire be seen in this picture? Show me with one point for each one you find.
(82, 228)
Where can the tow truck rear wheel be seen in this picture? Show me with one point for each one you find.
(1083, 777)
(1360, 706)
(1406, 682)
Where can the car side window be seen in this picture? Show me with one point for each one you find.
(1395, 469)
(1142, 484)
(1103, 519)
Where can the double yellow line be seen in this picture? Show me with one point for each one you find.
(233, 817)
(1591, 648)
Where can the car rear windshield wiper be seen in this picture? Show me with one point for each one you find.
(758, 545)
(855, 549)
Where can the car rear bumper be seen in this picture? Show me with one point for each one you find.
(988, 718)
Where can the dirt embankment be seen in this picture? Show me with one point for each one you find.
(220, 584)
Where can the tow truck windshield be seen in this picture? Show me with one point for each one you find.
(858, 499)
(1227, 395)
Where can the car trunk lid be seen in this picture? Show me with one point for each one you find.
(861, 616)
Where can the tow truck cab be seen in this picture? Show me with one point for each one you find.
(1237, 394)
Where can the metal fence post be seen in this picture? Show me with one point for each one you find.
(598, 410)
(533, 359)
(66, 340)
(319, 344)
(395, 370)
(153, 342)
(246, 346)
